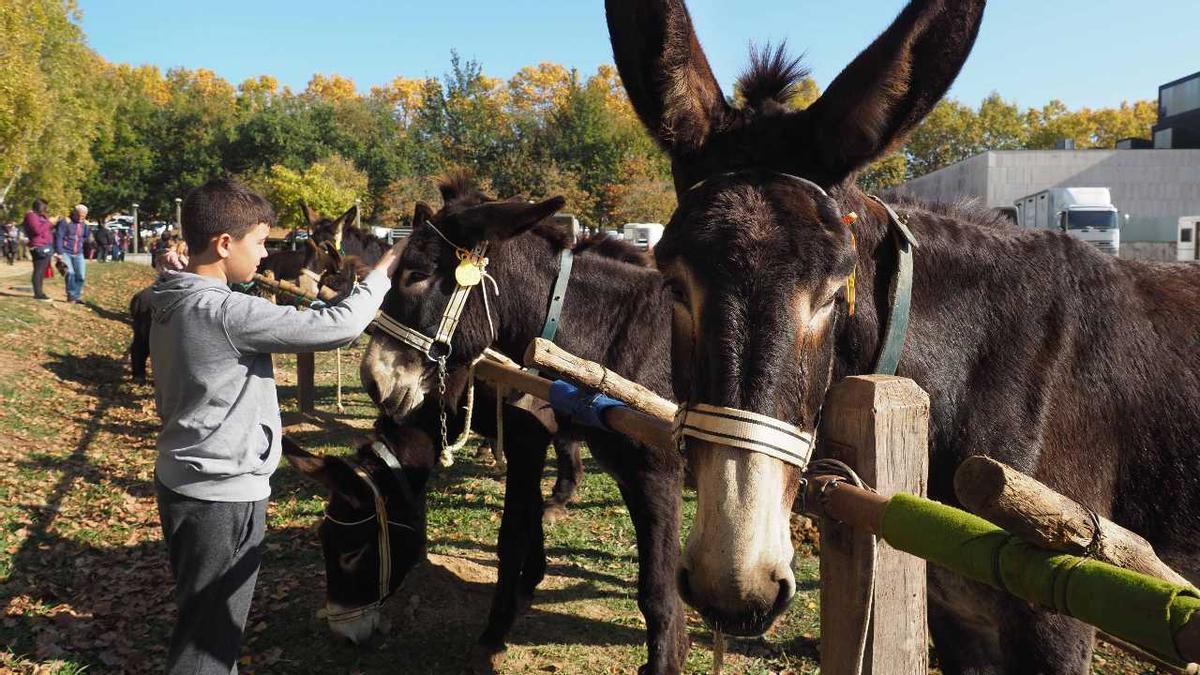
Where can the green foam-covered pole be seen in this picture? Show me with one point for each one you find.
(1141, 609)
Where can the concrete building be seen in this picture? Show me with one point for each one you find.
(1154, 182)
(1153, 187)
(1179, 114)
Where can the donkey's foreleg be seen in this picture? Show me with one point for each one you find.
(520, 544)
(569, 467)
(978, 630)
(651, 483)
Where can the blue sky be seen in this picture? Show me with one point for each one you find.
(1085, 53)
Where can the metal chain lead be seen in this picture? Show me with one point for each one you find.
(441, 385)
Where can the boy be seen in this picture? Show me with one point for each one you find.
(215, 391)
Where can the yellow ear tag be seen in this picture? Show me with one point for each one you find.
(468, 273)
(851, 282)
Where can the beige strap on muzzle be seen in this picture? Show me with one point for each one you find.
(745, 430)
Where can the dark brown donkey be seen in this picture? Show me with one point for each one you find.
(614, 313)
(1036, 349)
(345, 235)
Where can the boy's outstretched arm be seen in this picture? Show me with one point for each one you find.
(254, 325)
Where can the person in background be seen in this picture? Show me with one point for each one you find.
(41, 244)
(69, 237)
(174, 257)
(10, 242)
(103, 241)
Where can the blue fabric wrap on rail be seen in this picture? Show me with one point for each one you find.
(585, 406)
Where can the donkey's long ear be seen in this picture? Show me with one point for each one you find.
(347, 217)
(331, 251)
(501, 220)
(870, 108)
(309, 215)
(332, 472)
(422, 213)
(665, 73)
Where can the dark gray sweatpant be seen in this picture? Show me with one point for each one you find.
(215, 550)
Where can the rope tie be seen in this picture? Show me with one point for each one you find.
(1092, 550)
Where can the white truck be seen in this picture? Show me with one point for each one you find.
(1189, 228)
(1086, 213)
(643, 235)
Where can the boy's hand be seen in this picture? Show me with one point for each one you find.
(391, 260)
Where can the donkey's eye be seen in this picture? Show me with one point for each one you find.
(678, 293)
(413, 277)
(349, 561)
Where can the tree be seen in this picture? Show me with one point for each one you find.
(124, 156)
(394, 206)
(540, 89)
(46, 125)
(884, 174)
(333, 88)
(404, 96)
(329, 187)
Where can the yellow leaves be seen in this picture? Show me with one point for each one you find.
(329, 187)
(333, 88)
(405, 95)
(540, 88)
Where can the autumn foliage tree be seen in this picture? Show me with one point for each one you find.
(142, 135)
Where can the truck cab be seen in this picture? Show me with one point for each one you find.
(1081, 212)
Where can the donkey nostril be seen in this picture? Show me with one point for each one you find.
(787, 589)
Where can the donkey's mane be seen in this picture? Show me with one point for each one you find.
(458, 185)
(602, 245)
(967, 209)
(772, 76)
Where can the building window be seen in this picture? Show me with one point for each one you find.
(1179, 98)
(1185, 235)
(1162, 139)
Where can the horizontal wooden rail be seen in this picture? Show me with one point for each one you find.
(650, 431)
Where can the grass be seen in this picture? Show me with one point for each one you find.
(83, 572)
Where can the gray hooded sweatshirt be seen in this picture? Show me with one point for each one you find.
(214, 382)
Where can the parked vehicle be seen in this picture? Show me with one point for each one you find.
(643, 235)
(1189, 228)
(1086, 213)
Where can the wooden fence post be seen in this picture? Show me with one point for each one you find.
(879, 425)
(306, 363)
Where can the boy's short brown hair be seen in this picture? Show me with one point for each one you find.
(222, 206)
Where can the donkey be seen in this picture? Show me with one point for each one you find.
(1075, 367)
(398, 461)
(344, 235)
(614, 313)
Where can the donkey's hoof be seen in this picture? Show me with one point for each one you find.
(554, 512)
(485, 660)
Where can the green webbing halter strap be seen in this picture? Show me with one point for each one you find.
(901, 295)
(558, 296)
(565, 262)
